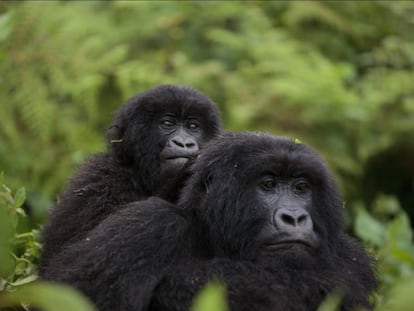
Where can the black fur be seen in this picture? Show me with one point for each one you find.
(130, 169)
(154, 255)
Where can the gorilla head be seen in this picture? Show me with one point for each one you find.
(157, 131)
(279, 193)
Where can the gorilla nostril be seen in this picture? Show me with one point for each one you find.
(287, 219)
(178, 142)
(190, 145)
(302, 220)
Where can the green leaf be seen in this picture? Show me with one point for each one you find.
(6, 233)
(399, 230)
(399, 238)
(19, 197)
(5, 25)
(400, 298)
(368, 228)
(211, 298)
(48, 297)
(331, 303)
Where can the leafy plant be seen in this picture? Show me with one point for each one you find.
(18, 256)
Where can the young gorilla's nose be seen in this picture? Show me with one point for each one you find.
(185, 143)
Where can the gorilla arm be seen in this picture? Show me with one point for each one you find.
(120, 263)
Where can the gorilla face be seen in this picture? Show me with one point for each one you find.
(183, 138)
(287, 202)
(156, 132)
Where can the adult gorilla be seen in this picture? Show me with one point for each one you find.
(150, 140)
(261, 213)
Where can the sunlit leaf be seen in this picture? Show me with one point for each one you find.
(48, 297)
(211, 298)
(19, 197)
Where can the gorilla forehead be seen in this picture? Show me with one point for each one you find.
(261, 153)
(179, 100)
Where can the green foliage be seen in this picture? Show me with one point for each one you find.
(392, 243)
(18, 256)
(331, 303)
(211, 298)
(400, 297)
(336, 74)
(48, 297)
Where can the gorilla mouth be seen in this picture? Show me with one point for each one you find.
(178, 160)
(179, 157)
(287, 244)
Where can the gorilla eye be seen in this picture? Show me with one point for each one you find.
(193, 126)
(167, 123)
(268, 184)
(302, 187)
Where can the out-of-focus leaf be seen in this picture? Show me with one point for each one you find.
(5, 25)
(399, 230)
(400, 298)
(6, 233)
(48, 297)
(211, 298)
(19, 197)
(368, 228)
(331, 303)
(399, 238)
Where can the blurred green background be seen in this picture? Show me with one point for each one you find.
(337, 75)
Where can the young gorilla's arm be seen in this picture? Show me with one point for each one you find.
(120, 263)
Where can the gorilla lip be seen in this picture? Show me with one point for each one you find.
(179, 157)
(282, 243)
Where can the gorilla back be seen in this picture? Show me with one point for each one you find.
(261, 213)
(151, 139)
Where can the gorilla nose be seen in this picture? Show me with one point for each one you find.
(185, 143)
(293, 220)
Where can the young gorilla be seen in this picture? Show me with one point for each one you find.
(150, 140)
(261, 213)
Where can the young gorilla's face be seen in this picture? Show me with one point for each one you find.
(183, 136)
(157, 132)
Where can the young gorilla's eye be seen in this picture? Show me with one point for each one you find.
(302, 187)
(167, 123)
(192, 126)
(268, 184)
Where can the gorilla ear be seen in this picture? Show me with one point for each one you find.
(115, 134)
(116, 130)
(117, 140)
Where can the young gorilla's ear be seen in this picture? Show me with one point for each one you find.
(116, 134)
